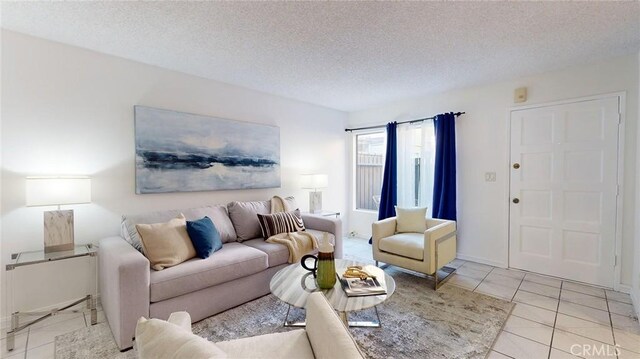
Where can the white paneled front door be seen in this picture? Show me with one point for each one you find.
(564, 186)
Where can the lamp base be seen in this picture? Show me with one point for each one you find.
(58, 231)
(315, 202)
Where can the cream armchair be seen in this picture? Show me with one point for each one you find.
(427, 252)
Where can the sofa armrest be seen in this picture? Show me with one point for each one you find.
(124, 287)
(441, 241)
(329, 337)
(181, 319)
(382, 229)
(326, 224)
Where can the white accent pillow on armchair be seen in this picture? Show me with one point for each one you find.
(411, 220)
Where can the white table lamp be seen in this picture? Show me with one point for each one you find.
(313, 182)
(56, 191)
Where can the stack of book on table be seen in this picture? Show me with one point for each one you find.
(363, 284)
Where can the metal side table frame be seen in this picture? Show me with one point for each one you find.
(36, 257)
(343, 317)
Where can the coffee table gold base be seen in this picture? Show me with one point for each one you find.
(343, 317)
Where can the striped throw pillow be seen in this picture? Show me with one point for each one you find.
(280, 222)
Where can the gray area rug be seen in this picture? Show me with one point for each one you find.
(417, 322)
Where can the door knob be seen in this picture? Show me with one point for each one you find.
(516, 165)
(515, 200)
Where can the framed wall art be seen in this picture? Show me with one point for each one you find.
(182, 152)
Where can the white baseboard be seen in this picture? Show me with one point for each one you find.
(481, 260)
(635, 299)
(623, 288)
(5, 322)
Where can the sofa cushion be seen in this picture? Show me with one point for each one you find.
(233, 261)
(287, 204)
(244, 216)
(280, 222)
(156, 338)
(278, 253)
(291, 344)
(204, 236)
(410, 245)
(217, 213)
(166, 244)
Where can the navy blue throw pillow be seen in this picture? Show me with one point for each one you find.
(204, 236)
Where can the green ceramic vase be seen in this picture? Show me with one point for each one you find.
(326, 272)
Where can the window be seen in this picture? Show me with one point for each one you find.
(370, 149)
(415, 151)
(416, 148)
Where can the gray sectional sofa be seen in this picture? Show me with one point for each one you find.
(238, 273)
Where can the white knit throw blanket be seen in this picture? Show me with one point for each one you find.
(278, 204)
(299, 243)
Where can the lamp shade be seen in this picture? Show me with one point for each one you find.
(314, 181)
(46, 191)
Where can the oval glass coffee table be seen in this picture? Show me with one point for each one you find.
(293, 284)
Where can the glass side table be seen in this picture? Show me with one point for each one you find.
(325, 213)
(36, 257)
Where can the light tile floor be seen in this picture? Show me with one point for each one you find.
(551, 316)
(36, 342)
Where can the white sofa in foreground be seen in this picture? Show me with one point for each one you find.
(325, 336)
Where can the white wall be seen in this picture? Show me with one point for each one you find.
(66, 110)
(482, 147)
(635, 276)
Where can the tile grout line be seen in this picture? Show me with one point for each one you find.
(26, 344)
(483, 279)
(493, 350)
(517, 289)
(521, 317)
(546, 285)
(613, 333)
(555, 320)
(544, 295)
(591, 295)
(523, 337)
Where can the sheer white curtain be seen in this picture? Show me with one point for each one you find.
(427, 165)
(407, 152)
(416, 150)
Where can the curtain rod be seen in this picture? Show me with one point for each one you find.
(399, 123)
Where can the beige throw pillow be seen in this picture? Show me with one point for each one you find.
(411, 220)
(166, 244)
(156, 338)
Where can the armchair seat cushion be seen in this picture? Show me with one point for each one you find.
(410, 245)
(293, 344)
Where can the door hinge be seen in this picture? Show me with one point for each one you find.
(619, 118)
(615, 261)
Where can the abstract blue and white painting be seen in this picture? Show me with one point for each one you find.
(181, 152)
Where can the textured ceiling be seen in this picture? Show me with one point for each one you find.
(344, 55)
